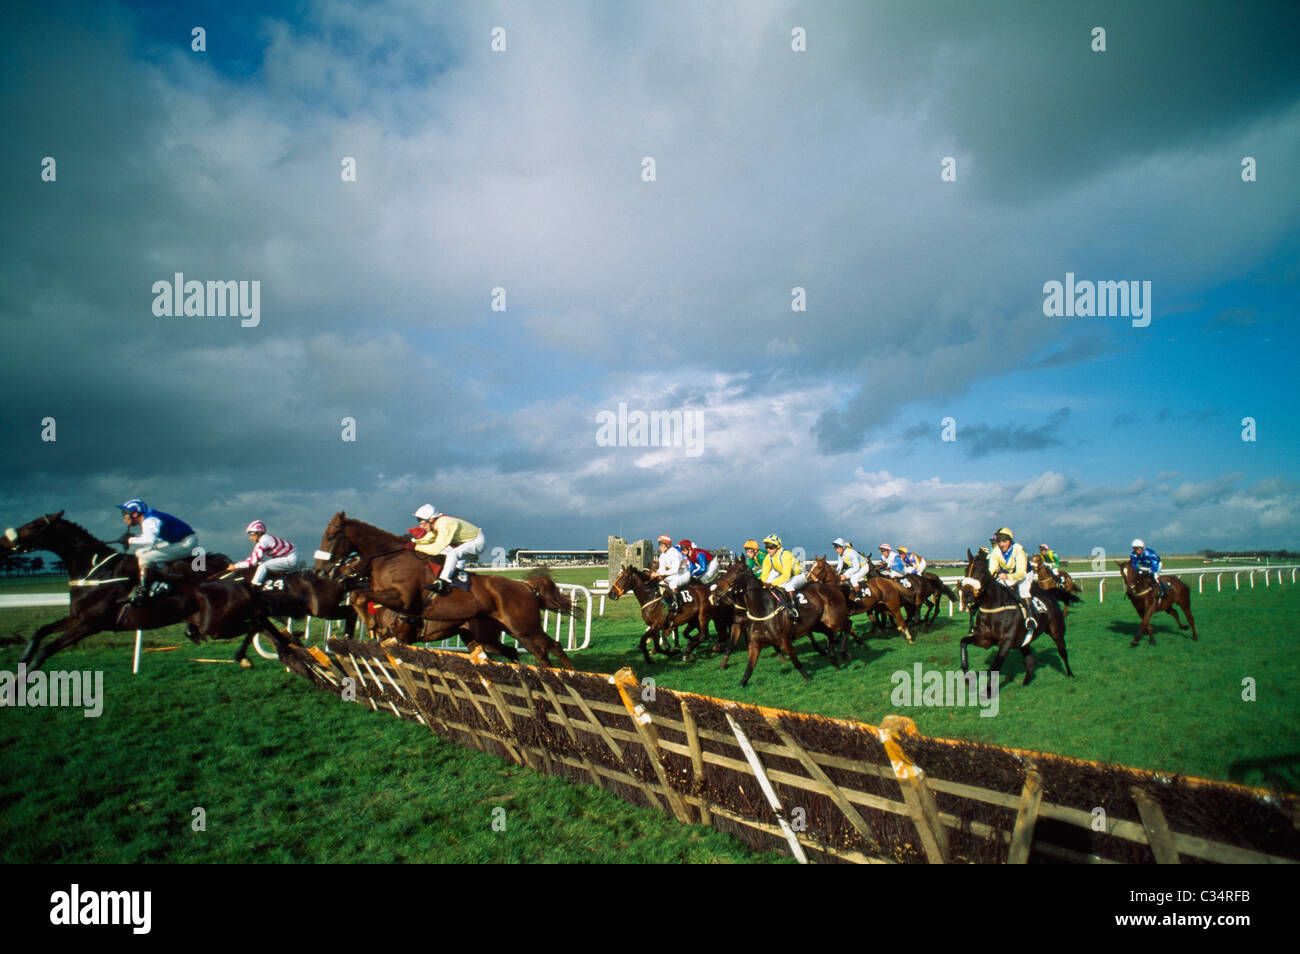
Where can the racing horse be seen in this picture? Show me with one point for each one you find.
(999, 619)
(877, 595)
(822, 608)
(100, 580)
(1148, 600)
(398, 577)
(693, 612)
(1047, 580)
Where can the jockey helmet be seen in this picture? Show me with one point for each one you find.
(884, 546)
(256, 526)
(904, 550)
(1004, 532)
(750, 545)
(426, 512)
(664, 538)
(1043, 546)
(134, 505)
(839, 542)
(685, 545)
(1139, 545)
(772, 540)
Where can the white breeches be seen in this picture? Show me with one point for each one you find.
(795, 583)
(680, 578)
(161, 552)
(856, 576)
(455, 556)
(710, 572)
(277, 564)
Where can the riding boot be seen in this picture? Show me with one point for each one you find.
(141, 593)
(791, 607)
(1031, 622)
(437, 587)
(670, 601)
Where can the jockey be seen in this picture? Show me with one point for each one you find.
(449, 537)
(1145, 560)
(913, 563)
(1050, 559)
(752, 561)
(672, 572)
(1009, 565)
(781, 570)
(849, 562)
(704, 565)
(270, 554)
(162, 538)
(891, 564)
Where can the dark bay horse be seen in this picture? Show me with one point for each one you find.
(398, 577)
(824, 609)
(100, 579)
(998, 619)
(1144, 594)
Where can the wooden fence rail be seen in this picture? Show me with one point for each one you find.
(827, 789)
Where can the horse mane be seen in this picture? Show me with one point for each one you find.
(395, 539)
(79, 528)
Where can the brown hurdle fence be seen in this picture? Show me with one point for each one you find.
(826, 790)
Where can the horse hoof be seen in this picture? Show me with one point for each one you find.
(245, 664)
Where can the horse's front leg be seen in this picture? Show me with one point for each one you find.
(35, 642)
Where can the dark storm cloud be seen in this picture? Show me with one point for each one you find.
(981, 440)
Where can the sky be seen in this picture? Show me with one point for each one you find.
(835, 270)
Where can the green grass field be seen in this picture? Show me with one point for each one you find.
(284, 772)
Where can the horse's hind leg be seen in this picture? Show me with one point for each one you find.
(794, 658)
(241, 654)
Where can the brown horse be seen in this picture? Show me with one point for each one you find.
(398, 577)
(693, 612)
(822, 608)
(1048, 580)
(100, 579)
(1000, 621)
(1144, 594)
(878, 595)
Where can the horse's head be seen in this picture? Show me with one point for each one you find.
(735, 579)
(334, 543)
(975, 578)
(622, 583)
(1128, 575)
(36, 535)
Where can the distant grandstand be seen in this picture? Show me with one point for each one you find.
(562, 557)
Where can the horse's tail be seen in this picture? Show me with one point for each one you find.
(946, 590)
(540, 582)
(1066, 596)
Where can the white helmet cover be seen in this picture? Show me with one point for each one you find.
(1139, 545)
(426, 512)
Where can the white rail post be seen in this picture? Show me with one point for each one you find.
(1101, 590)
(1200, 583)
(135, 663)
(1218, 582)
(1236, 579)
